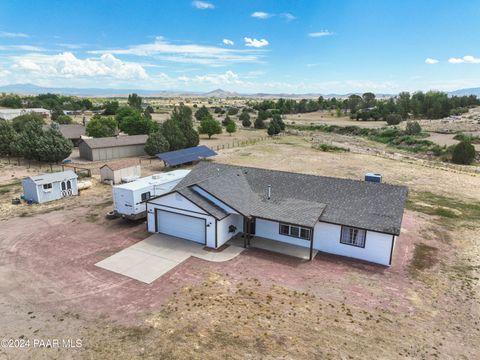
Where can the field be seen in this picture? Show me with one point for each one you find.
(260, 304)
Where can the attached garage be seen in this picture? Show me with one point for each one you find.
(183, 226)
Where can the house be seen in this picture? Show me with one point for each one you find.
(214, 202)
(9, 114)
(50, 186)
(72, 132)
(115, 147)
(120, 171)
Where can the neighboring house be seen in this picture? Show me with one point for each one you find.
(109, 148)
(9, 114)
(119, 171)
(358, 219)
(73, 132)
(50, 186)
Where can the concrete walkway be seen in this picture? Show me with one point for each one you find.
(149, 259)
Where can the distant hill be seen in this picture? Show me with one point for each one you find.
(31, 89)
(463, 92)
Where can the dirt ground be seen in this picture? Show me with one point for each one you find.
(260, 304)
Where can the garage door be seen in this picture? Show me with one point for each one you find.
(182, 226)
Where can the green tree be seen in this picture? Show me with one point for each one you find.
(209, 126)
(53, 147)
(354, 103)
(134, 101)
(463, 153)
(277, 119)
(273, 128)
(368, 99)
(28, 141)
(101, 126)
(394, 119)
(174, 135)
(231, 127)
(19, 123)
(182, 116)
(137, 125)
(201, 113)
(124, 113)
(413, 128)
(111, 107)
(245, 119)
(232, 111)
(8, 138)
(64, 119)
(156, 144)
(259, 123)
(226, 121)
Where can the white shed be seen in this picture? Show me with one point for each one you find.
(117, 172)
(50, 186)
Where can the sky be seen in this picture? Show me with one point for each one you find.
(276, 46)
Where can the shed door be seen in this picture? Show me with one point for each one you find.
(182, 226)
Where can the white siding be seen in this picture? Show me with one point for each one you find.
(177, 203)
(377, 245)
(271, 230)
(222, 228)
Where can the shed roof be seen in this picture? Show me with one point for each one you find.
(114, 141)
(118, 165)
(299, 198)
(53, 177)
(72, 131)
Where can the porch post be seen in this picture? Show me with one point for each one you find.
(245, 234)
(311, 245)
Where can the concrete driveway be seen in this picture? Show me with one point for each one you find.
(149, 259)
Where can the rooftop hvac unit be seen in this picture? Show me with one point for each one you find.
(372, 177)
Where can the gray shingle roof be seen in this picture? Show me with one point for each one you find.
(53, 177)
(72, 131)
(124, 140)
(299, 198)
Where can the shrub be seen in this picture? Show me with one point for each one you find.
(413, 128)
(231, 127)
(463, 153)
(156, 143)
(245, 119)
(394, 119)
(232, 111)
(259, 124)
(330, 148)
(64, 119)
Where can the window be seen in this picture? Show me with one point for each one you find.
(284, 229)
(305, 233)
(353, 236)
(47, 187)
(295, 231)
(146, 196)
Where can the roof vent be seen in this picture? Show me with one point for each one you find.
(269, 192)
(156, 176)
(373, 177)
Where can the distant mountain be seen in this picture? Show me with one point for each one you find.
(219, 93)
(31, 89)
(463, 92)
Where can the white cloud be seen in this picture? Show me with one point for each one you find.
(161, 49)
(67, 65)
(21, 48)
(431, 61)
(289, 17)
(255, 43)
(228, 42)
(6, 34)
(320, 33)
(261, 15)
(468, 59)
(202, 5)
(227, 78)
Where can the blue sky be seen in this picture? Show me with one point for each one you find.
(293, 46)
